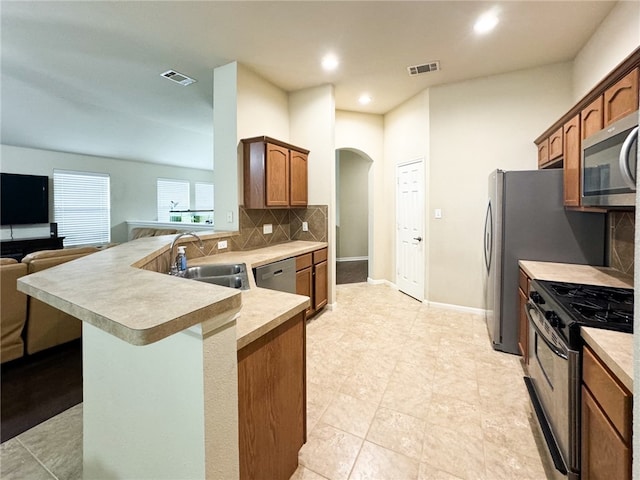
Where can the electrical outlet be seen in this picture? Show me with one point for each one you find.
(267, 228)
(305, 226)
(229, 217)
(222, 244)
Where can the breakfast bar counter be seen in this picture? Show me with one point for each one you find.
(160, 367)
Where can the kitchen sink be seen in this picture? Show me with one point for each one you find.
(232, 275)
(216, 270)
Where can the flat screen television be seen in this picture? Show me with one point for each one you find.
(24, 199)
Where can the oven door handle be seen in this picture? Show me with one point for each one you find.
(528, 307)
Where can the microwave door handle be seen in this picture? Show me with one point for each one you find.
(528, 307)
(625, 152)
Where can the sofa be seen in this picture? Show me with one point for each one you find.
(13, 310)
(29, 325)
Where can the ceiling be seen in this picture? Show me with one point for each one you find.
(84, 77)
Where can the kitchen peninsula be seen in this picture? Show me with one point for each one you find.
(160, 358)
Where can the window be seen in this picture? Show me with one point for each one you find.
(204, 201)
(172, 195)
(81, 207)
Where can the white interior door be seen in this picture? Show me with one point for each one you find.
(410, 233)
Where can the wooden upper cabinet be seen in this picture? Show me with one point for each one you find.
(621, 99)
(571, 164)
(591, 118)
(543, 152)
(298, 183)
(555, 145)
(275, 174)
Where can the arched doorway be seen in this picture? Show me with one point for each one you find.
(352, 216)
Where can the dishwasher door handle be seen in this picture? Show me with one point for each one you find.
(277, 272)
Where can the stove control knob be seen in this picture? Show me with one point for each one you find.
(537, 298)
(553, 318)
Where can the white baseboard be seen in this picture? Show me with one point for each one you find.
(351, 259)
(382, 281)
(332, 306)
(459, 308)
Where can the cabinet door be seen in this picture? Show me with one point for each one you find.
(304, 286)
(621, 99)
(320, 285)
(277, 176)
(299, 189)
(272, 404)
(555, 145)
(571, 163)
(543, 153)
(604, 454)
(591, 120)
(523, 337)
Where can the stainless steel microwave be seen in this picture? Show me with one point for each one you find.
(609, 160)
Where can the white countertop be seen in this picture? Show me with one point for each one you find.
(142, 307)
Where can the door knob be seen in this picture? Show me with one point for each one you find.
(418, 239)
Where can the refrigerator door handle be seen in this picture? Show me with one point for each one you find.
(488, 237)
(625, 158)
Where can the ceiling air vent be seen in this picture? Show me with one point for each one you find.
(178, 77)
(424, 68)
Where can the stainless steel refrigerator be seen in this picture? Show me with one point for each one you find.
(526, 220)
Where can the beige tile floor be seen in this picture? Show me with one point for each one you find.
(396, 391)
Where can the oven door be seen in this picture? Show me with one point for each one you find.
(609, 160)
(553, 386)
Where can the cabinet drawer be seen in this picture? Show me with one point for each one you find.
(523, 282)
(319, 256)
(303, 261)
(614, 399)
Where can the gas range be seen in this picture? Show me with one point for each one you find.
(569, 306)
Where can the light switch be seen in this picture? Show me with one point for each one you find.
(438, 213)
(230, 217)
(267, 228)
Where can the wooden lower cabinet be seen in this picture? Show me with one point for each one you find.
(304, 278)
(312, 279)
(606, 423)
(320, 279)
(523, 336)
(272, 402)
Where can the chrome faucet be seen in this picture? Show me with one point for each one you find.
(174, 264)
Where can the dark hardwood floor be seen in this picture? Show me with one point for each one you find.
(37, 387)
(352, 272)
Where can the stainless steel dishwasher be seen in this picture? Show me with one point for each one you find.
(279, 275)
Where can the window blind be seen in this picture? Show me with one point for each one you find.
(81, 207)
(204, 196)
(172, 195)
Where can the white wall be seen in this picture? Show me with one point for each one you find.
(476, 127)
(225, 132)
(352, 238)
(406, 137)
(364, 133)
(312, 126)
(263, 108)
(133, 184)
(615, 39)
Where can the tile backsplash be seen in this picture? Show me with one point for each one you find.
(286, 225)
(621, 240)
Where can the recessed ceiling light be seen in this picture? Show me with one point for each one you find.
(330, 62)
(364, 99)
(486, 22)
